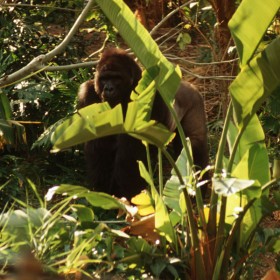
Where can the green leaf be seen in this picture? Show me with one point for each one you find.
(21, 218)
(5, 107)
(84, 213)
(173, 196)
(144, 203)
(7, 130)
(65, 189)
(252, 135)
(255, 83)
(158, 266)
(254, 165)
(139, 245)
(156, 134)
(103, 200)
(229, 186)
(97, 199)
(251, 163)
(148, 77)
(162, 219)
(172, 192)
(274, 245)
(183, 163)
(183, 39)
(138, 112)
(94, 121)
(249, 23)
(251, 158)
(231, 136)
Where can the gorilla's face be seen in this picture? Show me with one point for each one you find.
(113, 86)
(116, 76)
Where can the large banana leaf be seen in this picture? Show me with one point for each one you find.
(249, 23)
(256, 81)
(251, 162)
(97, 120)
(100, 120)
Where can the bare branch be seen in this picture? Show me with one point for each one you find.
(38, 6)
(88, 64)
(224, 78)
(168, 16)
(39, 63)
(174, 57)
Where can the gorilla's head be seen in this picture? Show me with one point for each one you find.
(117, 74)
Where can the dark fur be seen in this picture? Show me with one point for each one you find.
(112, 161)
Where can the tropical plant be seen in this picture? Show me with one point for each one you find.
(239, 198)
(218, 241)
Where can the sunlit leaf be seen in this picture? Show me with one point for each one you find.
(162, 220)
(229, 186)
(255, 83)
(70, 190)
(97, 199)
(173, 196)
(103, 200)
(182, 162)
(94, 121)
(144, 204)
(254, 164)
(246, 27)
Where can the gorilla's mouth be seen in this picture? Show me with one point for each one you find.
(111, 98)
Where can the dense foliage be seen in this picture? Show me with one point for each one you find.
(47, 217)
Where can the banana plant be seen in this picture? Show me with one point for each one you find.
(241, 182)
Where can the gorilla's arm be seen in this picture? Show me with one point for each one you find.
(87, 95)
(189, 107)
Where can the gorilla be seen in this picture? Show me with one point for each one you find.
(112, 161)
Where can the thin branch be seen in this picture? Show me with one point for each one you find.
(171, 31)
(167, 17)
(100, 50)
(174, 57)
(39, 6)
(173, 34)
(89, 64)
(225, 78)
(38, 63)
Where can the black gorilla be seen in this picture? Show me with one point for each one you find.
(112, 161)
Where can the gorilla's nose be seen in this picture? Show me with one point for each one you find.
(108, 89)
